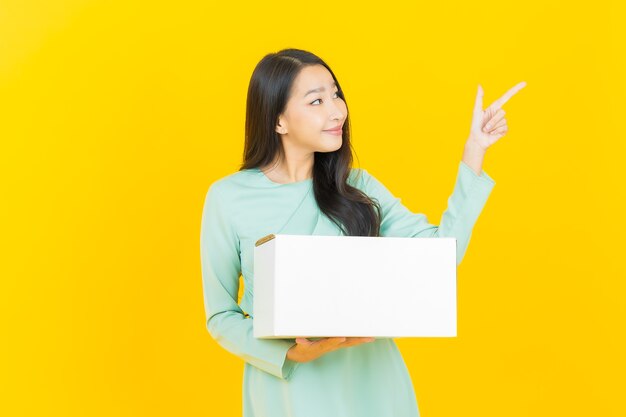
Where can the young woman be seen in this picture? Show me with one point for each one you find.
(297, 178)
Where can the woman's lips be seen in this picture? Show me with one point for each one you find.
(336, 132)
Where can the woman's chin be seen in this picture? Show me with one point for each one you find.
(331, 145)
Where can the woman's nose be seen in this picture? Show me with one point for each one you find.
(338, 110)
(337, 116)
(338, 113)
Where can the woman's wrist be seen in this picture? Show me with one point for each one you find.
(473, 156)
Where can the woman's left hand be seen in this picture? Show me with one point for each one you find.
(489, 126)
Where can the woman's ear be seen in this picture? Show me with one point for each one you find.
(280, 127)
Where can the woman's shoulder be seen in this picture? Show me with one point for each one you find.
(359, 178)
(231, 185)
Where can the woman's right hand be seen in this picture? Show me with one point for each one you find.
(306, 350)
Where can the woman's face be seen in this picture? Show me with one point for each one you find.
(313, 108)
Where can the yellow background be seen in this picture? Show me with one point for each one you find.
(116, 116)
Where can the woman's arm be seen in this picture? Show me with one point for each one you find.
(473, 156)
(464, 206)
(221, 268)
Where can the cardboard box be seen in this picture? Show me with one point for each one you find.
(328, 286)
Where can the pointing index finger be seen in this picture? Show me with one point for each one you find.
(500, 102)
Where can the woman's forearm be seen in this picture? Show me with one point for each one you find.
(473, 156)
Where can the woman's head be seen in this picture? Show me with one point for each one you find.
(281, 115)
(293, 99)
(314, 105)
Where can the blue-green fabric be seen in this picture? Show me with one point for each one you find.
(366, 380)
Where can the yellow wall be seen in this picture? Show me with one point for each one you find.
(116, 117)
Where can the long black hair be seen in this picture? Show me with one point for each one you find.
(349, 208)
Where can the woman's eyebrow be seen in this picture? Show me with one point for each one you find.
(318, 89)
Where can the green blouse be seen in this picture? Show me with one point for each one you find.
(364, 380)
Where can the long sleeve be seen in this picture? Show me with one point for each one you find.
(221, 268)
(464, 206)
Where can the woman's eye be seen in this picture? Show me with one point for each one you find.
(336, 93)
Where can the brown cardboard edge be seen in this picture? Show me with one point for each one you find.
(264, 239)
